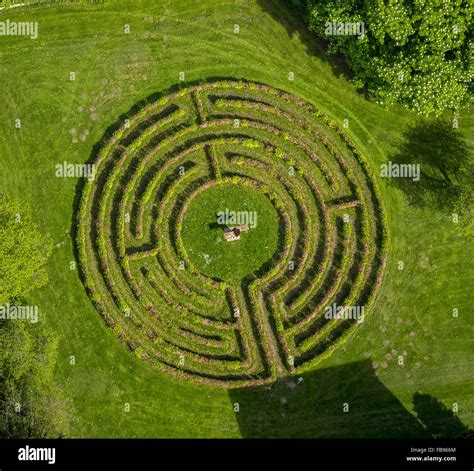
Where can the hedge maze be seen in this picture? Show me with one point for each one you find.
(134, 264)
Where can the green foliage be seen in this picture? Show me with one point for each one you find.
(23, 252)
(418, 54)
(31, 404)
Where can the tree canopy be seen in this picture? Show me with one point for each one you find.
(23, 252)
(417, 53)
(31, 404)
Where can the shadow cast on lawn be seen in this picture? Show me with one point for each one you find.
(445, 161)
(437, 419)
(314, 408)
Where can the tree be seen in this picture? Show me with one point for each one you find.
(23, 252)
(417, 53)
(31, 404)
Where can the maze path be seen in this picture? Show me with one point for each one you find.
(135, 267)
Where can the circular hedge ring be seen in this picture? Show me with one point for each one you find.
(237, 313)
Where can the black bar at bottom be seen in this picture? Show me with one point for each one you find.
(303, 454)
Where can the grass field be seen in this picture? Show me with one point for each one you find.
(203, 238)
(62, 120)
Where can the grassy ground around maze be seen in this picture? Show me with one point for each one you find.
(62, 119)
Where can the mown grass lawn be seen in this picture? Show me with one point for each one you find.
(62, 119)
(203, 236)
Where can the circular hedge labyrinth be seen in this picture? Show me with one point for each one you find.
(319, 206)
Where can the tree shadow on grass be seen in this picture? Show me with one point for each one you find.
(445, 162)
(437, 419)
(292, 17)
(313, 408)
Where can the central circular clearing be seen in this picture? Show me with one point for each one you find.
(222, 207)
